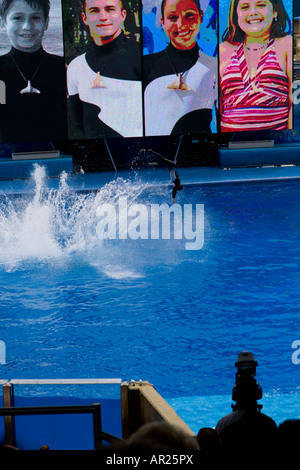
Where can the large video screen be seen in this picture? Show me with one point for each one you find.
(32, 71)
(111, 68)
(255, 64)
(180, 68)
(104, 68)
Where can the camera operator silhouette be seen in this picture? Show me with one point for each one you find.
(246, 429)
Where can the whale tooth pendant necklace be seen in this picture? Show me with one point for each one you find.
(29, 88)
(98, 81)
(179, 83)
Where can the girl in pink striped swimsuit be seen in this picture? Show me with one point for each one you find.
(256, 67)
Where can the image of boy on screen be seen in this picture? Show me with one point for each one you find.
(180, 82)
(104, 84)
(35, 80)
(256, 67)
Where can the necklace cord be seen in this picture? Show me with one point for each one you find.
(20, 71)
(180, 74)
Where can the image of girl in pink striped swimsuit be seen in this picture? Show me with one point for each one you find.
(256, 67)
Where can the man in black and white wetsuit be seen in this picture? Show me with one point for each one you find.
(104, 84)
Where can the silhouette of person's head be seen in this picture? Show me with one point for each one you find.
(160, 436)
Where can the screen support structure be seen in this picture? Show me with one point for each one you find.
(178, 147)
(110, 155)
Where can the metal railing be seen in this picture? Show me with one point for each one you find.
(140, 404)
(9, 411)
(95, 409)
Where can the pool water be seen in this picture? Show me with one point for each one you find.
(76, 306)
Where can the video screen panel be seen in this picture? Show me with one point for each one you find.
(32, 72)
(180, 68)
(255, 65)
(110, 68)
(104, 69)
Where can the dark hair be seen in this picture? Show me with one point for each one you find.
(43, 4)
(163, 3)
(159, 435)
(280, 28)
(121, 3)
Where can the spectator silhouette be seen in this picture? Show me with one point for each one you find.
(211, 446)
(246, 430)
(209, 441)
(288, 438)
(158, 436)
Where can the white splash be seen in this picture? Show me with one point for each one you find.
(24, 228)
(56, 224)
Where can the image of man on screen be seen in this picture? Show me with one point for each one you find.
(104, 84)
(35, 80)
(256, 67)
(180, 81)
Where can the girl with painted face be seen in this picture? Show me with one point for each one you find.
(180, 81)
(35, 82)
(181, 22)
(256, 67)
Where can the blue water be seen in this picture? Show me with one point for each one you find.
(74, 306)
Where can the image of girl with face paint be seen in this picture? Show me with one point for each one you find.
(180, 82)
(256, 67)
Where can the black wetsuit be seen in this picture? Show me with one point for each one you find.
(173, 173)
(177, 184)
(164, 62)
(33, 116)
(119, 63)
